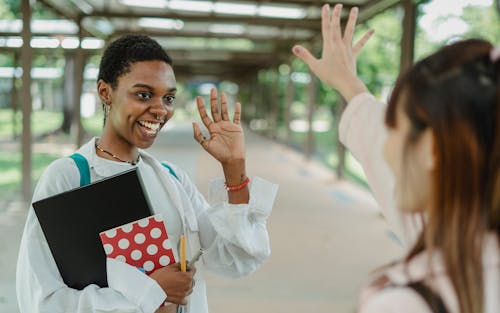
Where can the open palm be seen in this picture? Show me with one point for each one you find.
(226, 142)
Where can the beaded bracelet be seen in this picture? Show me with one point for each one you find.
(237, 187)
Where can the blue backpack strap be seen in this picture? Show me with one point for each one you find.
(83, 167)
(169, 168)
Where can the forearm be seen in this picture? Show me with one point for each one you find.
(235, 174)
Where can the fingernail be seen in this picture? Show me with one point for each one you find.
(296, 50)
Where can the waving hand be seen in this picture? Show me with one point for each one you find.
(337, 66)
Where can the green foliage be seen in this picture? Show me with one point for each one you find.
(378, 62)
(14, 10)
(484, 24)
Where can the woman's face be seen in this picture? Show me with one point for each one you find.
(141, 103)
(412, 163)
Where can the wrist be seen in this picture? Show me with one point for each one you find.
(234, 172)
(352, 89)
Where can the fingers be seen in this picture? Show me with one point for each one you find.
(349, 28)
(214, 105)
(335, 21)
(304, 54)
(198, 136)
(326, 26)
(203, 113)
(237, 113)
(223, 107)
(360, 44)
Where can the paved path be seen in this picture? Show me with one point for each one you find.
(326, 234)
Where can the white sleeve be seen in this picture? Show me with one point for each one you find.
(362, 130)
(39, 285)
(395, 300)
(234, 236)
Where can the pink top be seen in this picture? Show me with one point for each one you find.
(362, 130)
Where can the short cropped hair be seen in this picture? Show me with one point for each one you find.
(126, 50)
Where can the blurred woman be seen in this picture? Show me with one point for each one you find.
(441, 142)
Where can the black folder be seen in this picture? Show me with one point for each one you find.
(71, 222)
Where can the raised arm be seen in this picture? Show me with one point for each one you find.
(337, 65)
(226, 144)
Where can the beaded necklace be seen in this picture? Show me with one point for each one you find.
(115, 156)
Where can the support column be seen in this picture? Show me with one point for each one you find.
(274, 103)
(26, 56)
(289, 99)
(78, 79)
(408, 37)
(14, 97)
(341, 151)
(312, 90)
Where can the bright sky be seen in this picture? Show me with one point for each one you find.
(437, 29)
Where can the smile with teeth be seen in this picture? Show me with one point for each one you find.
(152, 128)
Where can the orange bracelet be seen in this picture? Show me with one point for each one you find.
(237, 187)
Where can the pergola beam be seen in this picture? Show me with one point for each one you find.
(314, 24)
(207, 34)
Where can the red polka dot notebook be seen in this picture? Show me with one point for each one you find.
(143, 244)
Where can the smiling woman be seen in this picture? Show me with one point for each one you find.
(137, 87)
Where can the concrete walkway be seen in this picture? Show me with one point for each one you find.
(326, 234)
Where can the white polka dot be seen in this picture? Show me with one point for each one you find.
(164, 260)
(155, 233)
(108, 249)
(166, 244)
(152, 249)
(111, 233)
(136, 255)
(144, 222)
(139, 238)
(127, 228)
(148, 266)
(158, 218)
(121, 258)
(123, 243)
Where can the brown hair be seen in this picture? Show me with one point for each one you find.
(455, 93)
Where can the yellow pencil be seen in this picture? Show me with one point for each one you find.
(183, 253)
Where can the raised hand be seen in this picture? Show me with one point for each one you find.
(226, 141)
(337, 66)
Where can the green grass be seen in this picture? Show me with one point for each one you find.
(10, 167)
(41, 122)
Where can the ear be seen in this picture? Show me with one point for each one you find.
(104, 91)
(427, 150)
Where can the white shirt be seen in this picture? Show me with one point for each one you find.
(234, 238)
(363, 131)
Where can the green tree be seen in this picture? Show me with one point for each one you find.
(483, 23)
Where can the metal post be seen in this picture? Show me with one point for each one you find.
(340, 147)
(408, 37)
(274, 103)
(313, 92)
(14, 96)
(78, 78)
(289, 98)
(26, 54)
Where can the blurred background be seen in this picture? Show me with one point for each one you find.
(49, 105)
